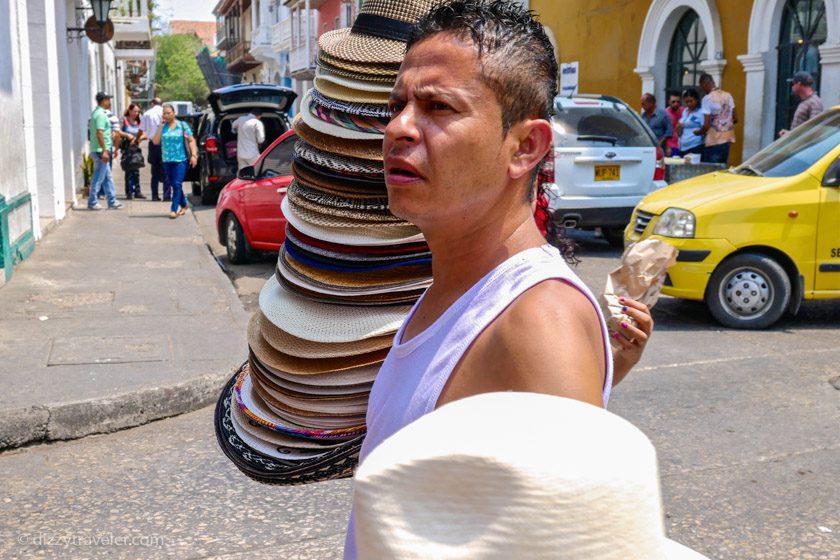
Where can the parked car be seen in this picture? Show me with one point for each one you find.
(604, 160)
(216, 141)
(248, 215)
(757, 239)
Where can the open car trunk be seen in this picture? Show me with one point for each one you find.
(274, 124)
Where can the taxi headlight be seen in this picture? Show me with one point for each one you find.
(675, 222)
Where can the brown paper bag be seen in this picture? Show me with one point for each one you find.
(640, 277)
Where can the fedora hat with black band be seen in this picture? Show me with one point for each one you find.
(379, 33)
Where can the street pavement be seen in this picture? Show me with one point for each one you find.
(745, 424)
(118, 318)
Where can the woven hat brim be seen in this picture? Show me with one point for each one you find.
(357, 47)
(347, 381)
(255, 409)
(276, 438)
(332, 129)
(275, 359)
(398, 249)
(362, 149)
(338, 463)
(382, 81)
(351, 95)
(294, 346)
(336, 162)
(322, 73)
(361, 236)
(306, 395)
(315, 195)
(268, 448)
(314, 391)
(404, 278)
(371, 186)
(387, 70)
(336, 186)
(299, 409)
(319, 322)
(335, 218)
(364, 300)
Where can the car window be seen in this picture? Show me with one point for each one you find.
(599, 126)
(279, 160)
(797, 150)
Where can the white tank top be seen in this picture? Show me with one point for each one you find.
(415, 372)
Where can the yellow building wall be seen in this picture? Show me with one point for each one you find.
(604, 35)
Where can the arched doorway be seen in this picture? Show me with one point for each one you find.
(804, 28)
(687, 52)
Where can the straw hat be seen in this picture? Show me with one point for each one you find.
(314, 195)
(323, 74)
(338, 462)
(363, 300)
(549, 478)
(319, 322)
(294, 346)
(381, 81)
(389, 71)
(341, 125)
(359, 236)
(361, 259)
(336, 184)
(341, 164)
(379, 33)
(392, 279)
(396, 249)
(342, 218)
(271, 357)
(379, 110)
(360, 149)
(345, 382)
(335, 90)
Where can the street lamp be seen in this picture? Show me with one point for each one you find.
(100, 11)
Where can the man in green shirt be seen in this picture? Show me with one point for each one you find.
(100, 151)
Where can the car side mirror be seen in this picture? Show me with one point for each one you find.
(832, 175)
(247, 173)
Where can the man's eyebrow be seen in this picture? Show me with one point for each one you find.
(427, 92)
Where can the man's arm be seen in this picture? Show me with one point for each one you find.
(260, 133)
(547, 341)
(100, 137)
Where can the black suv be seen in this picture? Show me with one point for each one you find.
(216, 141)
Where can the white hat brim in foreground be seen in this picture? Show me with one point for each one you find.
(512, 475)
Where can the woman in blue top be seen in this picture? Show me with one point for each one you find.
(177, 147)
(692, 123)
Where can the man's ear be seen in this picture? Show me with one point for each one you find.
(533, 137)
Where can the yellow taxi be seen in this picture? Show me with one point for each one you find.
(757, 239)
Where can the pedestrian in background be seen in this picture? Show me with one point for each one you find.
(658, 121)
(810, 104)
(692, 123)
(132, 134)
(149, 124)
(101, 143)
(675, 111)
(178, 150)
(720, 133)
(250, 134)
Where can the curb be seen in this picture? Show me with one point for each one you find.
(72, 420)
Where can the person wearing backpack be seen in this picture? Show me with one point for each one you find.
(178, 149)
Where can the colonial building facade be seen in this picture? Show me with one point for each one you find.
(751, 47)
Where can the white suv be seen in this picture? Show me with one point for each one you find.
(605, 160)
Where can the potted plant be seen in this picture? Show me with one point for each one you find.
(87, 173)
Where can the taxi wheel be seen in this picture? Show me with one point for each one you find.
(235, 242)
(748, 291)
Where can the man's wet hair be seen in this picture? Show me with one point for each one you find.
(516, 57)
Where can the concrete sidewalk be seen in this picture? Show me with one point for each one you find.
(120, 317)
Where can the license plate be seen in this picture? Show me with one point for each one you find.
(607, 172)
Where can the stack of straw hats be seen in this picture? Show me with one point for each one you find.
(346, 276)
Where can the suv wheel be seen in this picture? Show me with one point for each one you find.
(748, 291)
(235, 243)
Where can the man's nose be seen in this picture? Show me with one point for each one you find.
(403, 126)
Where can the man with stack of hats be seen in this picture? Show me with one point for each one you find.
(469, 126)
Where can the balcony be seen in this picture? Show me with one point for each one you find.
(281, 36)
(261, 44)
(302, 62)
(131, 21)
(239, 57)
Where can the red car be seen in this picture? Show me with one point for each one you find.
(248, 215)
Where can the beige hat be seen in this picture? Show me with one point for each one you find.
(300, 366)
(375, 127)
(379, 33)
(294, 346)
(353, 95)
(320, 322)
(363, 236)
(362, 149)
(513, 475)
(324, 74)
(338, 187)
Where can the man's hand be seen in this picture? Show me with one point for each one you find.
(632, 339)
(106, 156)
(783, 132)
